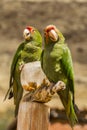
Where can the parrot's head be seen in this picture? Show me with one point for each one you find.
(31, 33)
(27, 32)
(52, 34)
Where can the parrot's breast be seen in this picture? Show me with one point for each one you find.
(31, 53)
(53, 68)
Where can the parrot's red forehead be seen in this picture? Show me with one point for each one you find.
(50, 27)
(29, 28)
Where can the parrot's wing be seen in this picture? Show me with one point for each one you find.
(64, 55)
(15, 59)
(13, 65)
(68, 67)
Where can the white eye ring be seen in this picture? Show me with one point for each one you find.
(26, 34)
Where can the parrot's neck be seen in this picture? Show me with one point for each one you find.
(36, 42)
(27, 41)
(49, 46)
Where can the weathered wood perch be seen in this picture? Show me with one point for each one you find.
(32, 116)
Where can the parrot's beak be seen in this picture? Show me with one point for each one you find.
(53, 35)
(27, 36)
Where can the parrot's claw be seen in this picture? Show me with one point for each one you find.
(60, 85)
(44, 93)
(45, 82)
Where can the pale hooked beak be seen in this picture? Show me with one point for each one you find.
(53, 35)
(26, 34)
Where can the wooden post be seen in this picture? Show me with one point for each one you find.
(32, 116)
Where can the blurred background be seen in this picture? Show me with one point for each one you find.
(70, 16)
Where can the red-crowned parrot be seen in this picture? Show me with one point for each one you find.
(28, 51)
(57, 65)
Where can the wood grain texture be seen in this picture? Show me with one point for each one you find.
(32, 116)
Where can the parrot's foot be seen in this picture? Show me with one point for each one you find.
(44, 92)
(31, 86)
(45, 82)
(60, 85)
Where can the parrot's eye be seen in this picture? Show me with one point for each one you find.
(33, 30)
(26, 34)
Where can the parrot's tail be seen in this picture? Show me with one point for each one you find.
(17, 99)
(70, 111)
(10, 93)
(69, 108)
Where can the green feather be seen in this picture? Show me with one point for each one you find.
(28, 51)
(57, 64)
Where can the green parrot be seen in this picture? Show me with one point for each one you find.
(56, 63)
(28, 51)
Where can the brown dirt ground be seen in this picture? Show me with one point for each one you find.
(60, 126)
